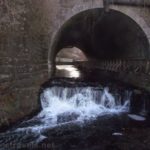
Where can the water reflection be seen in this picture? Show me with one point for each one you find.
(67, 71)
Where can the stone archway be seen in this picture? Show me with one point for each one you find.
(102, 35)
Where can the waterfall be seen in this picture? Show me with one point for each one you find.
(78, 104)
(64, 105)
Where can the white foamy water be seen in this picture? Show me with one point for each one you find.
(81, 103)
(63, 105)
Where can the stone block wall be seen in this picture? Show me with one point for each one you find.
(27, 31)
(23, 57)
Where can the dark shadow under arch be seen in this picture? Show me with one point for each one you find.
(103, 35)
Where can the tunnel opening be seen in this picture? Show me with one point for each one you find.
(102, 36)
(70, 54)
(66, 62)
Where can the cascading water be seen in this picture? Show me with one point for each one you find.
(64, 105)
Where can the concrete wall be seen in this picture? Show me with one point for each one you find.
(23, 57)
(27, 31)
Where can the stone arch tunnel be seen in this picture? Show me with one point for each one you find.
(113, 39)
(103, 36)
(33, 32)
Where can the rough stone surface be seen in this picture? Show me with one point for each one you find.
(27, 30)
(23, 58)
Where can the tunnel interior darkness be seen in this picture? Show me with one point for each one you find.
(103, 35)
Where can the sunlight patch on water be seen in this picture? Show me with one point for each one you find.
(70, 69)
